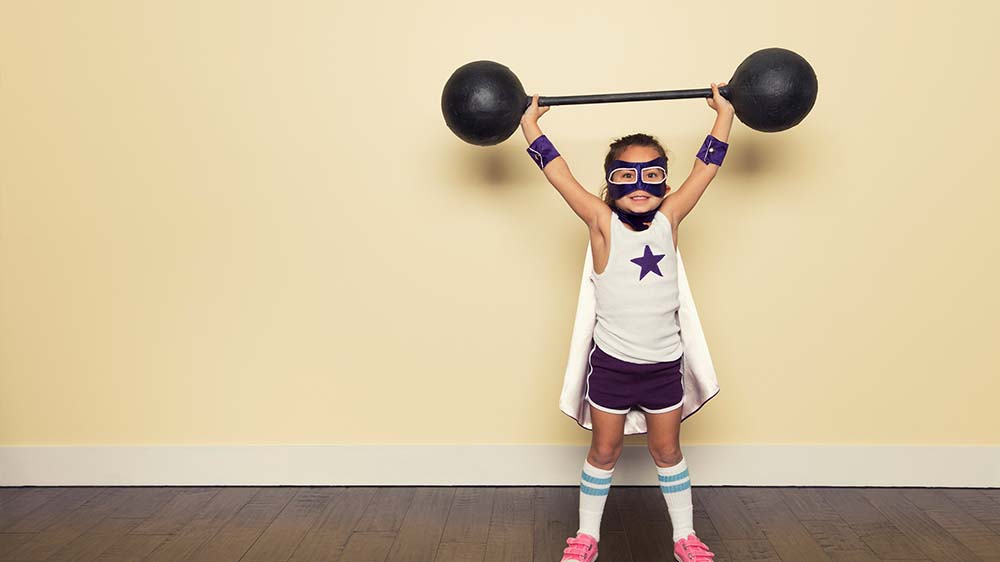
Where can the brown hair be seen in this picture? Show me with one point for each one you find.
(618, 147)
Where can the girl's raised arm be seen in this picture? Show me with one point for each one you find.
(585, 204)
(677, 205)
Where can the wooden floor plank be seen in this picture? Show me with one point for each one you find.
(9, 542)
(387, 508)
(976, 504)
(838, 540)
(140, 503)
(511, 525)
(98, 539)
(750, 550)
(613, 547)
(21, 505)
(461, 552)
(857, 556)
(790, 539)
(131, 548)
(729, 514)
(368, 546)
(329, 537)
(705, 529)
(177, 512)
(808, 504)
(965, 528)
(8, 493)
(205, 524)
(287, 530)
(611, 520)
(54, 511)
(239, 533)
(419, 534)
(144, 501)
(469, 519)
(557, 517)
(871, 525)
(70, 525)
(992, 493)
(647, 525)
(707, 533)
(935, 542)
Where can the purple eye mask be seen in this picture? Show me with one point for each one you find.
(619, 190)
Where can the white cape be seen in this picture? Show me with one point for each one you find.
(698, 373)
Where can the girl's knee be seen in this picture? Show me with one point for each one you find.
(666, 456)
(603, 457)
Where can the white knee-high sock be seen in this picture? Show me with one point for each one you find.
(675, 484)
(595, 485)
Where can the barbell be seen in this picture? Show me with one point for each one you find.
(771, 90)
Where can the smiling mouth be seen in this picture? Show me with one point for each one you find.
(639, 197)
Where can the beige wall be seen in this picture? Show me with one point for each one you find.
(246, 223)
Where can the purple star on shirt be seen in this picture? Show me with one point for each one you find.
(648, 262)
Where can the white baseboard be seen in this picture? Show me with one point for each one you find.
(492, 465)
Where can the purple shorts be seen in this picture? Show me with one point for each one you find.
(615, 386)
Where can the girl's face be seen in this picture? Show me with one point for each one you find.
(640, 201)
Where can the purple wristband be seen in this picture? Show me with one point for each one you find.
(712, 151)
(542, 151)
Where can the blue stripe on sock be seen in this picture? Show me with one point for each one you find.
(677, 488)
(674, 477)
(595, 479)
(594, 491)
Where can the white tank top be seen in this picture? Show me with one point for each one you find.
(637, 296)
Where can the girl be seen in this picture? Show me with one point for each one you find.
(637, 348)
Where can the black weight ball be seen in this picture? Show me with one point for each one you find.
(483, 102)
(772, 89)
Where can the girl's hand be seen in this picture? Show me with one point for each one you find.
(533, 112)
(717, 102)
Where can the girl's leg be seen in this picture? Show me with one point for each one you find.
(598, 467)
(663, 432)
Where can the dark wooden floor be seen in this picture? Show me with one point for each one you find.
(495, 524)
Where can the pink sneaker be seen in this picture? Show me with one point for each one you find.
(691, 549)
(582, 548)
